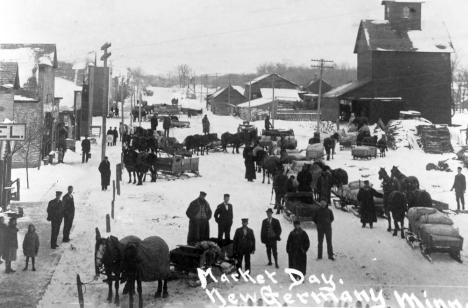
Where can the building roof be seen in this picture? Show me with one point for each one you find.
(346, 88)
(281, 94)
(379, 36)
(239, 89)
(256, 102)
(19, 98)
(318, 80)
(266, 76)
(29, 57)
(406, 1)
(217, 93)
(9, 75)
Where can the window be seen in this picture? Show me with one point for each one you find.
(388, 12)
(406, 12)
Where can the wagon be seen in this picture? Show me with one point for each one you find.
(247, 128)
(300, 206)
(278, 132)
(364, 152)
(177, 165)
(434, 241)
(347, 142)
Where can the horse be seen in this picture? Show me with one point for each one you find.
(146, 260)
(200, 143)
(140, 163)
(398, 205)
(408, 183)
(382, 145)
(269, 163)
(231, 139)
(419, 198)
(388, 185)
(108, 258)
(128, 160)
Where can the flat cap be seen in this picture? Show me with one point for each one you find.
(58, 192)
(226, 195)
(269, 210)
(245, 220)
(203, 193)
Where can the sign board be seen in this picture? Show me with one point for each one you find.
(12, 132)
(95, 131)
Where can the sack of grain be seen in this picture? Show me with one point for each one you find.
(447, 230)
(436, 218)
(415, 213)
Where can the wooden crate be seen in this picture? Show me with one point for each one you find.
(190, 164)
(170, 164)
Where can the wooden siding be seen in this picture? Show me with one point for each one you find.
(6, 104)
(267, 82)
(395, 16)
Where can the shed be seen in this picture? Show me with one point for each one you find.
(225, 99)
(267, 81)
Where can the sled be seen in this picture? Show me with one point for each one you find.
(299, 206)
(180, 124)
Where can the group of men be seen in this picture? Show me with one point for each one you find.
(115, 135)
(58, 211)
(166, 124)
(199, 214)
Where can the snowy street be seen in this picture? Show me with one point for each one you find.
(365, 258)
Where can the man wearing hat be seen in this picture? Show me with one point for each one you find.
(199, 213)
(270, 235)
(323, 219)
(244, 245)
(85, 148)
(55, 216)
(367, 211)
(104, 169)
(297, 246)
(223, 216)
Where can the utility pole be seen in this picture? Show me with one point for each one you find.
(250, 95)
(122, 99)
(216, 81)
(229, 90)
(321, 66)
(106, 98)
(273, 102)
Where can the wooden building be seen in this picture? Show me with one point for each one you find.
(9, 84)
(403, 64)
(267, 81)
(314, 85)
(224, 100)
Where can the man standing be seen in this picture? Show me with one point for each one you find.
(249, 162)
(68, 214)
(305, 180)
(297, 245)
(104, 169)
(206, 125)
(323, 218)
(270, 235)
(109, 137)
(244, 245)
(166, 126)
(267, 123)
(116, 135)
(199, 213)
(154, 122)
(367, 211)
(223, 216)
(460, 188)
(55, 216)
(279, 185)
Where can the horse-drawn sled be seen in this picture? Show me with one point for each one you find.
(247, 128)
(433, 232)
(180, 124)
(300, 206)
(364, 152)
(177, 166)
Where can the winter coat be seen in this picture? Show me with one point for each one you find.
(104, 169)
(85, 146)
(68, 206)
(116, 134)
(3, 232)
(54, 210)
(31, 244)
(275, 226)
(290, 186)
(367, 206)
(323, 217)
(198, 232)
(249, 163)
(154, 122)
(11, 238)
(243, 244)
(167, 123)
(267, 123)
(305, 180)
(459, 184)
(297, 246)
(222, 216)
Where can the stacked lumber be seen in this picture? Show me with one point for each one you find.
(434, 139)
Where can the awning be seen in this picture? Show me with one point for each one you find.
(362, 90)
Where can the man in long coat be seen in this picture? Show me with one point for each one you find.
(270, 235)
(267, 123)
(297, 246)
(305, 180)
(367, 211)
(166, 126)
(104, 169)
(85, 149)
(116, 135)
(223, 216)
(199, 213)
(3, 230)
(206, 125)
(55, 216)
(460, 187)
(68, 214)
(154, 121)
(249, 163)
(244, 245)
(279, 185)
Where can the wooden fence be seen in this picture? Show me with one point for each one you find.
(296, 116)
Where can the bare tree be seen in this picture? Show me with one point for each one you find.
(183, 71)
(32, 145)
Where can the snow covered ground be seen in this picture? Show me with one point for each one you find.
(365, 258)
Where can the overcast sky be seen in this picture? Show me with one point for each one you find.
(212, 36)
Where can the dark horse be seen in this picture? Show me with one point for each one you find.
(398, 205)
(231, 139)
(140, 163)
(146, 260)
(388, 185)
(269, 164)
(408, 183)
(108, 258)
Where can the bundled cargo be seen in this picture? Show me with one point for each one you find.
(298, 164)
(434, 232)
(435, 139)
(315, 151)
(364, 152)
